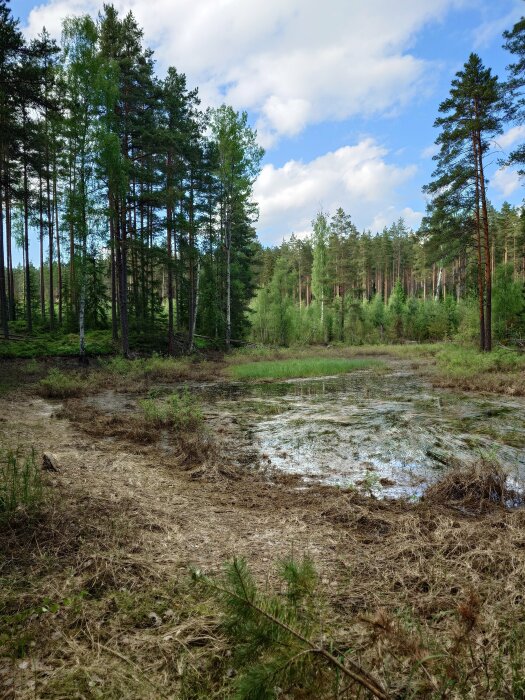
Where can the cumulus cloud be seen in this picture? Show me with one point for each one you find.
(511, 137)
(291, 62)
(357, 178)
(505, 181)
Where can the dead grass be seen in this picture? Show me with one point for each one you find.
(96, 600)
(509, 383)
(474, 486)
(426, 597)
(185, 447)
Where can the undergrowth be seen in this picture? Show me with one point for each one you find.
(286, 643)
(280, 646)
(58, 385)
(21, 490)
(179, 411)
(307, 367)
(464, 361)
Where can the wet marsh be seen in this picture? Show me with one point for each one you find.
(388, 432)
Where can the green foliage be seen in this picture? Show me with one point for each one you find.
(307, 367)
(178, 411)
(266, 630)
(21, 487)
(98, 342)
(460, 361)
(58, 385)
(508, 304)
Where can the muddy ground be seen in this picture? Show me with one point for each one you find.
(97, 599)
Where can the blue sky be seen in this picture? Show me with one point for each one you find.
(343, 93)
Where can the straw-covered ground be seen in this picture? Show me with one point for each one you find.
(97, 598)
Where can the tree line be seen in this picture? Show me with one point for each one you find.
(339, 284)
(141, 201)
(142, 205)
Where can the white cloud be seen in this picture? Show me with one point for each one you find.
(487, 31)
(357, 178)
(430, 151)
(505, 181)
(510, 137)
(291, 62)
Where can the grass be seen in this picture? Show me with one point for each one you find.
(307, 367)
(157, 368)
(475, 486)
(459, 367)
(467, 362)
(21, 488)
(178, 411)
(58, 385)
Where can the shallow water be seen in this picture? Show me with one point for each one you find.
(387, 433)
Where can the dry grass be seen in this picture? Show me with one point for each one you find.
(426, 597)
(509, 383)
(95, 596)
(185, 447)
(476, 486)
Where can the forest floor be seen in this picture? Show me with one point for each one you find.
(96, 594)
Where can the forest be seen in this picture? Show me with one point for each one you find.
(247, 471)
(142, 207)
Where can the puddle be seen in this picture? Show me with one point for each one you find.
(390, 434)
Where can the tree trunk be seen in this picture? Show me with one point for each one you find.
(123, 280)
(50, 238)
(3, 296)
(10, 275)
(29, 315)
(169, 223)
(57, 234)
(482, 336)
(41, 223)
(196, 309)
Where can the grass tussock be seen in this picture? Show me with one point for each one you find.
(21, 488)
(59, 385)
(121, 371)
(474, 486)
(308, 367)
(466, 368)
(178, 411)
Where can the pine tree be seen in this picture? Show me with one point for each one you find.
(472, 117)
(515, 44)
(238, 164)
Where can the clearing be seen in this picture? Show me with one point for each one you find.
(97, 599)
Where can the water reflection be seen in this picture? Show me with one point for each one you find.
(388, 433)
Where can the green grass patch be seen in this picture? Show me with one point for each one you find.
(307, 367)
(180, 411)
(58, 385)
(20, 485)
(464, 362)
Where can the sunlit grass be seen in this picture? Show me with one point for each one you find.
(460, 361)
(295, 368)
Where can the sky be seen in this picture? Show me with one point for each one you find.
(343, 93)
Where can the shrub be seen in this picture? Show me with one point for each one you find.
(20, 484)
